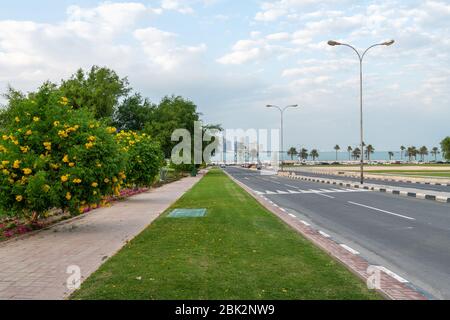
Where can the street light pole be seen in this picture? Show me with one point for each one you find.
(361, 58)
(282, 110)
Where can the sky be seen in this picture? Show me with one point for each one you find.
(234, 57)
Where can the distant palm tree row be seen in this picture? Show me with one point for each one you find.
(303, 153)
(355, 153)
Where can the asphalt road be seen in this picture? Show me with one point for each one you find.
(408, 236)
(381, 182)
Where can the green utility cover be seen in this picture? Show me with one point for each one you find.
(187, 213)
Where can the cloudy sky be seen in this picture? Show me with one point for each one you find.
(234, 57)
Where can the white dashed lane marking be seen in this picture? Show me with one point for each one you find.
(381, 210)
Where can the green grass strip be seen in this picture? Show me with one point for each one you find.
(238, 251)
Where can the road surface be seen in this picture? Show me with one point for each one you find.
(410, 237)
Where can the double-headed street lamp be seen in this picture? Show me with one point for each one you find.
(282, 110)
(361, 58)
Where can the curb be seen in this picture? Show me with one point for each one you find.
(392, 286)
(379, 178)
(418, 195)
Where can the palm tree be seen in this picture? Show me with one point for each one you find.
(314, 154)
(337, 148)
(356, 153)
(292, 152)
(435, 152)
(402, 149)
(423, 151)
(349, 150)
(304, 154)
(391, 154)
(411, 152)
(369, 150)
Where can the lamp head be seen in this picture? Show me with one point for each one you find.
(389, 43)
(333, 43)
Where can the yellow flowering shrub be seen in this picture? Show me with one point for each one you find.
(52, 156)
(144, 158)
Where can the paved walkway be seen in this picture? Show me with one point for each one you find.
(35, 267)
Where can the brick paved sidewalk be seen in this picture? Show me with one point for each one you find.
(35, 267)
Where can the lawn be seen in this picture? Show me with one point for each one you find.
(238, 251)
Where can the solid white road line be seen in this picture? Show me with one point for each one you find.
(305, 223)
(270, 192)
(293, 192)
(292, 215)
(326, 235)
(393, 274)
(376, 209)
(283, 209)
(351, 250)
(282, 192)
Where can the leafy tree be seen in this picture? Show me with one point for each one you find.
(304, 154)
(402, 149)
(423, 151)
(411, 152)
(172, 113)
(369, 151)
(314, 154)
(133, 113)
(445, 147)
(292, 152)
(391, 155)
(435, 152)
(54, 156)
(144, 158)
(98, 90)
(349, 150)
(356, 153)
(337, 148)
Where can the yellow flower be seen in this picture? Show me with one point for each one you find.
(36, 119)
(77, 181)
(19, 198)
(46, 188)
(16, 164)
(94, 184)
(111, 130)
(17, 119)
(54, 166)
(68, 196)
(29, 132)
(99, 165)
(62, 134)
(89, 145)
(24, 149)
(71, 164)
(5, 162)
(114, 179)
(5, 172)
(94, 193)
(65, 178)
(106, 180)
(64, 101)
(48, 146)
(56, 123)
(5, 137)
(27, 171)
(92, 138)
(66, 159)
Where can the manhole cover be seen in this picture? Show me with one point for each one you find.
(187, 213)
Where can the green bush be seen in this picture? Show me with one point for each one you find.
(54, 156)
(144, 158)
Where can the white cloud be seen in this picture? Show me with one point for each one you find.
(161, 48)
(176, 5)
